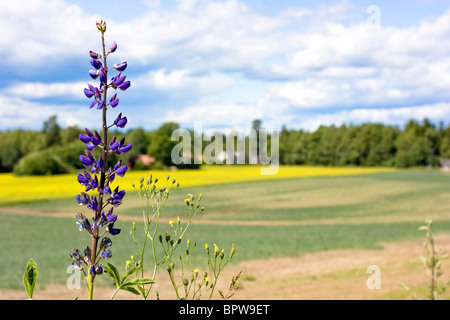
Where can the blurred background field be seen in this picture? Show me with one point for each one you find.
(19, 189)
(302, 210)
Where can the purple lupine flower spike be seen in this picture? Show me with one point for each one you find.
(96, 178)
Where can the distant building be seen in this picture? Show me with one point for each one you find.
(445, 164)
(143, 159)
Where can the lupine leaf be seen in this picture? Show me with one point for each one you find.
(113, 273)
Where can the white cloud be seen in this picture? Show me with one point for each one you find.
(17, 112)
(395, 116)
(183, 80)
(43, 31)
(301, 58)
(33, 90)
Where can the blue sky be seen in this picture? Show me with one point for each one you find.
(296, 63)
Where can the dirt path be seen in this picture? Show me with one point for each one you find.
(340, 274)
(356, 220)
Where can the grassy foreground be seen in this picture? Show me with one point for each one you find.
(267, 218)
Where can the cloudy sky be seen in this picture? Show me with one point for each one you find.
(294, 63)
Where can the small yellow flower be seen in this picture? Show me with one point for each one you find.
(171, 222)
(128, 263)
(187, 201)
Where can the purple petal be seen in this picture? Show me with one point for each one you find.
(121, 171)
(121, 66)
(113, 47)
(103, 76)
(114, 103)
(124, 86)
(82, 179)
(84, 138)
(96, 64)
(113, 232)
(112, 218)
(125, 148)
(94, 55)
(90, 146)
(85, 161)
(88, 93)
(94, 74)
(119, 81)
(100, 105)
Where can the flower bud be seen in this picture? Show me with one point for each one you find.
(232, 251)
(101, 26)
(113, 47)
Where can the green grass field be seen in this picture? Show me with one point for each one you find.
(273, 218)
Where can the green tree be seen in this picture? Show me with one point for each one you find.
(52, 131)
(161, 144)
(411, 146)
(138, 138)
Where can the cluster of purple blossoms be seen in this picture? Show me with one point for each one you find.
(96, 177)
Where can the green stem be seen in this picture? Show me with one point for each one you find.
(90, 287)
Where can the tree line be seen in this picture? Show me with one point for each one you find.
(54, 150)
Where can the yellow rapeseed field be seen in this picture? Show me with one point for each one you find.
(18, 189)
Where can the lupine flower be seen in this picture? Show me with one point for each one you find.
(121, 171)
(94, 74)
(114, 102)
(106, 243)
(94, 55)
(124, 86)
(103, 79)
(107, 254)
(88, 93)
(118, 80)
(119, 147)
(113, 47)
(120, 122)
(82, 199)
(96, 64)
(121, 66)
(96, 177)
(112, 230)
